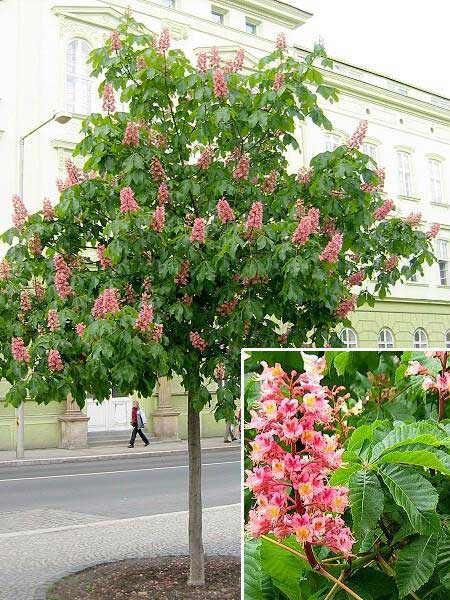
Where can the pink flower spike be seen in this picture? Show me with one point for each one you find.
(19, 351)
(158, 220)
(107, 303)
(144, 318)
(220, 85)
(80, 328)
(358, 136)
(47, 210)
(164, 40)
(127, 201)
(281, 41)
(105, 262)
(197, 341)
(20, 213)
(53, 320)
(115, 42)
(198, 233)
(224, 211)
(131, 134)
(109, 101)
(382, 212)
(331, 251)
(55, 362)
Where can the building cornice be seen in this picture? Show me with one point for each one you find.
(90, 15)
(274, 10)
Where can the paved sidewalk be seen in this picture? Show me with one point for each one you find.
(31, 561)
(59, 455)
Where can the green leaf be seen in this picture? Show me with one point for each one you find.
(361, 434)
(257, 584)
(366, 500)
(414, 494)
(423, 432)
(342, 475)
(415, 563)
(341, 361)
(443, 562)
(422, 458)
(284, 568)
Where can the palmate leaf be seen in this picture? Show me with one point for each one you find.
(366, 500)
(415, 563)
(423, 432)
(414, 494)
(257, 583)
(443, 562)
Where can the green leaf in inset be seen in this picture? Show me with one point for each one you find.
(366, 500)
(414, 494)
(422, 458)
(257, 584)
(423, 432)
(415, 563)
(284, 568)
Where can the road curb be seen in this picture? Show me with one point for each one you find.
(100, 457)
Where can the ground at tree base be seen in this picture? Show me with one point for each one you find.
(159, 578)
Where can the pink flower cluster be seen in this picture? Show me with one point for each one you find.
(233, 65)
(390, 263)
(19, 351)
(35, 244)
(382, 212)
(114, 40)
(197, 341)
(414, 219)
(183, 274)
(62, 277)
(357, 138)
(304, 175)
(202, 62)
(206, 158)
(346, 306)
(242, 168)
(356, 278)
(198, 233)
(220, 85)
(109, 101)
(219, 372)
(5, 270)
(80, 328)
(157, 170)
(290, 486)
(163, 41)
(105, 262)
(432, 382)
(131, 134)
(227, 307)
(54, 360)
(331, 251)
(53, 320)
(224, 211)
(157, 332)
(308, 225)
(25, 302)
(20, 213)
(270, 182)
(106, 303)
(278, 82)
(372, 187)
(214, 57)
(47, 210)
(127, 201)
(281, 41)
(144, 318)
(255, 216)
(434, 230)
(158, 220)
(163, 193)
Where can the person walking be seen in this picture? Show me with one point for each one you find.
(138, 422)
(228, 433)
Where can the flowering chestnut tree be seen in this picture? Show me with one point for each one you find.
(344, 499)
(188, 235)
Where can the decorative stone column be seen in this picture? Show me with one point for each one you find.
(74, 426)
(165, 417)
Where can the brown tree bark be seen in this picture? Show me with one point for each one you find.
(196, 551)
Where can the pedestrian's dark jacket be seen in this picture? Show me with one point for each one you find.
(134, 416)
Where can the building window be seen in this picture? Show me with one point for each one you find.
(168, 3)
(442, 256)
(385, 339)
(217, 16)
(435, 180)
(250, 26)
(349, 338)
(404, 173)
(332, 141)
(78, 81)
(420, 339)
(447, 339)
(370, 149)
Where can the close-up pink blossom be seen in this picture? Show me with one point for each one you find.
(224, 211)
(107, 303)
(198, 233)
(127, 201)
(19, 350)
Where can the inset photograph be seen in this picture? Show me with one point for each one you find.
(347, 464)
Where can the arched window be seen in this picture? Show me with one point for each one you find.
(78, 81)
(349, 338)
(404, 173)
(332, 141)
(447, 339)
(420, 338)
(385, 338)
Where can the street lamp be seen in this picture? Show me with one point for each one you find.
(62, 118)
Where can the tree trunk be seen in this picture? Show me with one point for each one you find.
(196, 552)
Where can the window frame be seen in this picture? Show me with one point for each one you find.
(217, 11)
(405, 176)
(384, 343)
(443, 261)
(332, 134)
(173, 4)
(419, 344)
(447, 338)
(434, 160)
(78, 78)
(374, 146)
(253, 23)
(349, 343)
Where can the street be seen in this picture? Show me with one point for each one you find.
(59, 518)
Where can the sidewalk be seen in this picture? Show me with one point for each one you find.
(59, 455)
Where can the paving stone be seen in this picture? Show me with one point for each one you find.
(43, 518)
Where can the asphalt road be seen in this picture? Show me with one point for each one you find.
(116, 489)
